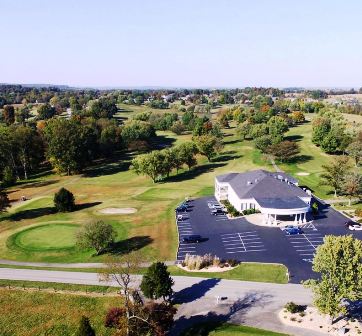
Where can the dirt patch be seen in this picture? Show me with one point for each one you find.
(303, 174)
(117, 211)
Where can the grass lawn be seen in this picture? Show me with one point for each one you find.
(111, 184)
(246, 272)
(227, 329)
(26, 313)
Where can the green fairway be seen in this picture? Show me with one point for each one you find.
(48, 237)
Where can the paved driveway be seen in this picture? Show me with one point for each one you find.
(241, 240)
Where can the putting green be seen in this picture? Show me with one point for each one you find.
(48, 237)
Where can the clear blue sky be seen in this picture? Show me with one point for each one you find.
(188, 43)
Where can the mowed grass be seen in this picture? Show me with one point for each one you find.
(258, 272)
(227, 329)
(152, 228)
(25, 313)
(46, 237)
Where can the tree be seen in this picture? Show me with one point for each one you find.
(4, 201)
(64, 200)
(320, 128)
(352, 186)
(70, 145)
(46, 111)
(157, 282)
(262, 143)
(9, 114)
(85, 328)
(354, 150)
(185, 153)
(97, 235)
(277, 126)
(22, 114)
(121, 270)
(335, 173)
(339, 262)
(208, 145)
(284, 151)
(151, 164)
(298, 117)
(9, 178)
(177, 127)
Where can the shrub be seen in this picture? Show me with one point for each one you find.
(250, 211)
(64, 200)
(315, 208)
(231, 209)
(293, 308)
(114, 316)
(196, 262)
(358, 212)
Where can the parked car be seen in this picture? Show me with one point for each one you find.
(181, 208)
(353, 226)
(292, 230)
(180, 217)
(192, 239)
(217, 212)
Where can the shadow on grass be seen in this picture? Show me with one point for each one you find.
(39, 212)
(295, 137)
(202, 325)
(162, 141)
(195, 292)
(193, 173)
(128, 245)
(227, 156)
(26, 185)
(302, 158)
(231, 142)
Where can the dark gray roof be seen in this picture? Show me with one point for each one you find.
(262, 184)
(281, 203)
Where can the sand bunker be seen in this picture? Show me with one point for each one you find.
(303, 174)
(118, 211)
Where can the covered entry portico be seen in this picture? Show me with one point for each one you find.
(294, 208)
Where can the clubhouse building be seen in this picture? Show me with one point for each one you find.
(275, 195)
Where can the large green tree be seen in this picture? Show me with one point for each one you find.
(46, 111)
(157, 282)
(284, 151)
(208, 145)
(97, 235)
(354, 150)
(339, 263)
(352, 186)
(70, 145)
(334, 174)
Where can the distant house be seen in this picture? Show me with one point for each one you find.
(274, 194)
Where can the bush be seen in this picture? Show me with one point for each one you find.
(231, 209)
(315, 208)
(195, 262)
(358, 212)
(293, 308)
(64, 200)
(250, 211)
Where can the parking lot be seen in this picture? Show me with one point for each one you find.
(238, 239)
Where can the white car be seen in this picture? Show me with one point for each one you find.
(354, 227)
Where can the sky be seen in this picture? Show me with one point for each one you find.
(182, 43)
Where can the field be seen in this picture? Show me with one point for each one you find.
(32, 231)
(50, 314)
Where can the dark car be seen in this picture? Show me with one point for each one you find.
(217, 212)
(293, 230)
(181, 208)
(192, 239)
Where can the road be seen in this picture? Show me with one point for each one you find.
(250, 303)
